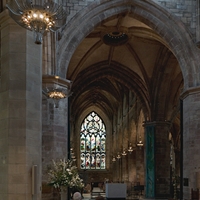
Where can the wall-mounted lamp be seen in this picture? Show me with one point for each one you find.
(124, 152)
(118, 156)
(140, 143)
(113, 159)
(130, 148)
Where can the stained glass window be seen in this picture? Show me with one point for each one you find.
(93, 142)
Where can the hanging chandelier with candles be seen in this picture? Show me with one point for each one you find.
(37, 15)
(56, 88)
(56, 93)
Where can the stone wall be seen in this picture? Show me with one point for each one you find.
(186, 10)
(191, 150)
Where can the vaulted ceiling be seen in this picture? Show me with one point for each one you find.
(122, 54)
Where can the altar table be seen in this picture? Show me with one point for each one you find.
(116, 191)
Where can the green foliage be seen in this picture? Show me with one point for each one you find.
(64, 174)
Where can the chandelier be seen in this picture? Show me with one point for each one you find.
(56, 94)
(56, 88)
(37, 15)
(115, 38)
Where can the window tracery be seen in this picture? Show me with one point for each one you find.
(93, 142)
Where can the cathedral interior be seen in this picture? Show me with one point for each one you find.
(124, 71)
(133, 67)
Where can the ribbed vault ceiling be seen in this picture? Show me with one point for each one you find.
(143, 64)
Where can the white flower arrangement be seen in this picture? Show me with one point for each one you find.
(64, 174)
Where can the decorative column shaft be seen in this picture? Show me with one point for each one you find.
(150, 161)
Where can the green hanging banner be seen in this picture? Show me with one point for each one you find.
(150, 162)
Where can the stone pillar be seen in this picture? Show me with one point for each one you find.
(157, 139)
(191, 140)
(162, 158)
(55, 138)
(150, 161)
(20, 112)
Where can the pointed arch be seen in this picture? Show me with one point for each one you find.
(172, 32)
(93, 142)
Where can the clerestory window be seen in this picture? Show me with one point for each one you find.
(93, 142)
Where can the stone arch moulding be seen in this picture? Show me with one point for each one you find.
(169, 27)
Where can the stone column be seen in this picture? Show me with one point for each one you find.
(55, 138)
(157, 139)
(20, 112)
(150, 161)
(162, 158)
(191, 140)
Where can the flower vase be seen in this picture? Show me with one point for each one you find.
(63, 195)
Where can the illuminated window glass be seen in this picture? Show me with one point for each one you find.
(93, 142)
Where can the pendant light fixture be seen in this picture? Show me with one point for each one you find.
(38, 16)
